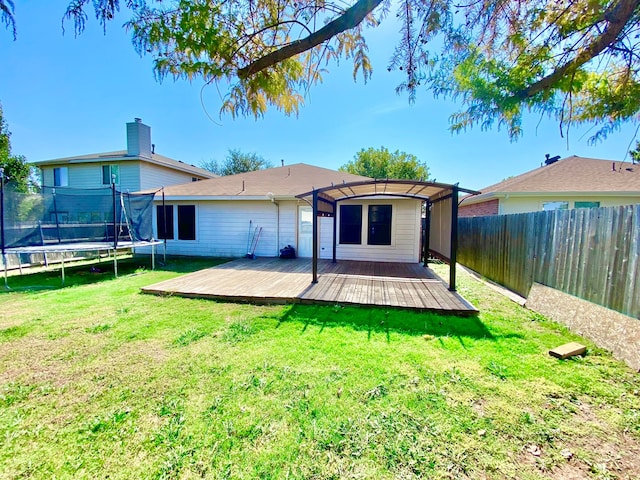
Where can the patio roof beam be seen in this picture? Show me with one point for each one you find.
(348, 190)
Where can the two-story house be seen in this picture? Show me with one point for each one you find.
(134, 169)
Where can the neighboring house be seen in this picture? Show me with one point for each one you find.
(134, 169)
(219, 217)
(573, 182)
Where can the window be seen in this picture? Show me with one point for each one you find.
(379, 225)
(587, 204)
(186, 222)
(555, 206)
(108, 172)
(60, 177)
(164, 218)
(351, 224)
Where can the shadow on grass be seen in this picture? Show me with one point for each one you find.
(93, 272)
(380, 320)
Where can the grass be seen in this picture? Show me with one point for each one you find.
(97, 380)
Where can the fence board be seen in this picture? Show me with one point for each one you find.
(593, 254)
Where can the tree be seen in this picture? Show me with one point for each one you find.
(577, 61)
(17, 171)
(237, 162)
(380, 163)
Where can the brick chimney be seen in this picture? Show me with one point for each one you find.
(138, 139)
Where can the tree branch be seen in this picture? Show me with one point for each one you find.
(349, 19)
(616, 17)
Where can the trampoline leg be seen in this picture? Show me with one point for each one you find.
(19, 257)
(6, 279)
(153, 257)
(62, 268)
(115, 263)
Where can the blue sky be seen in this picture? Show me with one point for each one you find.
(65, 96)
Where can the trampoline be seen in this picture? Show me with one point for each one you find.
(59, 220)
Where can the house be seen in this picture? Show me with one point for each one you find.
(134, 169)
(218, 217)
(353, 217)
(572, 182)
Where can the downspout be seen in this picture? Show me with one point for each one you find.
(277, 204)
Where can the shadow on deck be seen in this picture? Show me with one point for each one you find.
(273, 280)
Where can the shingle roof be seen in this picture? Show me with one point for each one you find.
(286, 181)
(121, 155)
(571, 175)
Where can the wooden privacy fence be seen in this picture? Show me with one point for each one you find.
(591, 253)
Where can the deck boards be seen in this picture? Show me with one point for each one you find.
(273, 280)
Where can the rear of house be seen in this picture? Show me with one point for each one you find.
(223, 216)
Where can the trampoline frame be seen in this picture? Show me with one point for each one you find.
(108, 247)
(111, 247)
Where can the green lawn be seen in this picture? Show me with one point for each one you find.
(98, 380)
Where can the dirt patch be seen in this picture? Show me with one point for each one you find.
(595, 453)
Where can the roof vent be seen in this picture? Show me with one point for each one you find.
(550, 160)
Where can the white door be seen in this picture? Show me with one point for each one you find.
(305, 232)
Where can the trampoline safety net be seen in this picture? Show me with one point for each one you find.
(63, 215)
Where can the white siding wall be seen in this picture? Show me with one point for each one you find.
(155, 176)
(288, 225)
(222, 228)
(534, 204)
(405, 234)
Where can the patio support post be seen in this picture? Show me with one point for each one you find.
(55, 211)
(454, 238)
(115, 211)
(427, 233)
(335, 228)
(164, 227)
(2, 207)
(315, 237)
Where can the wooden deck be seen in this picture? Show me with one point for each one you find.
(273, 280)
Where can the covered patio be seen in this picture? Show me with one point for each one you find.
(274, 280)
(439, 230)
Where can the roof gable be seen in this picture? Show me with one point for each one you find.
(122, 156)
(573, 174)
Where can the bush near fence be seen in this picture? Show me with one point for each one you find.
(591, 253)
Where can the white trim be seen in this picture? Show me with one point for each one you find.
(485, 197)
